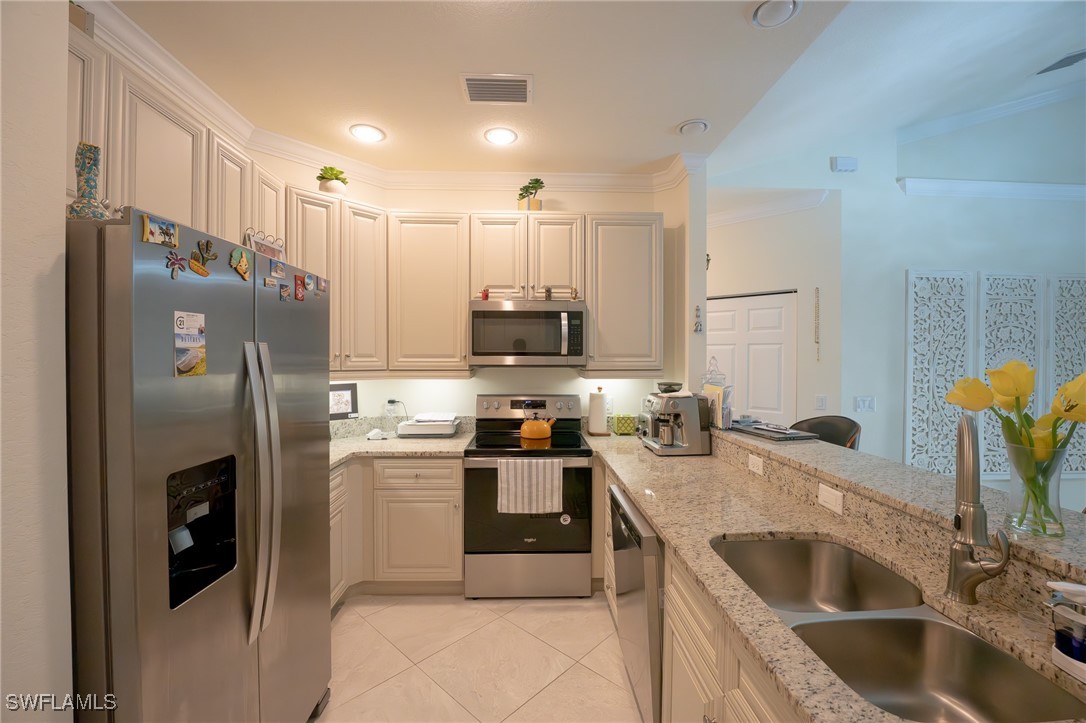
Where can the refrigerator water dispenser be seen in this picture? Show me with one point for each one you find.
(201, 518)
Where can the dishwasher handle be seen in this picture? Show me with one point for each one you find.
(632, 520)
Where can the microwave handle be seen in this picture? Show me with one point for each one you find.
(565, 333)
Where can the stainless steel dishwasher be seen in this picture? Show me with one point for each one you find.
(639, 572)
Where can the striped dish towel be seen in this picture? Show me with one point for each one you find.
(529, 486)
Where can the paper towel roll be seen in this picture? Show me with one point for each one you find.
(597, 413)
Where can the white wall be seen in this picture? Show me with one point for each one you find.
(36, 618)
(884, 232)
(799, 250)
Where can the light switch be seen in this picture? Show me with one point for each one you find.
(865, 404)
(820, 402)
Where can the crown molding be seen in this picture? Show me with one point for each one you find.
(954, 188)
(785, 202)
(939, 126)
(133, 45)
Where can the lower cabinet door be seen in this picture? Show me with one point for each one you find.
(418, 535)
(337, 541)
(690, 693)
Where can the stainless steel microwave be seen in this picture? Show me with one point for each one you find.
(527, 333)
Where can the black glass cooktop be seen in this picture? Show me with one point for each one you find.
(499, 444)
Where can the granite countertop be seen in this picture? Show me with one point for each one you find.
(690, 500)
(341, 450)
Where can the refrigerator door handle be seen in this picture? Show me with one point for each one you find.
(263, 493)
(276, 447)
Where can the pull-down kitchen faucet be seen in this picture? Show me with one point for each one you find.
(971, 524)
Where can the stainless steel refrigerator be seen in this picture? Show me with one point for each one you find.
(198, 464)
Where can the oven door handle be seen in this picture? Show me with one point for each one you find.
(492, 462)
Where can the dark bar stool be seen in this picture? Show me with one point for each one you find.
(841, 431)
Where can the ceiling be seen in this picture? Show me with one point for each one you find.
(612, 80)
(885, 66)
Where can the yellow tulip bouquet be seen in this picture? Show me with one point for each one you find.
(1036, 448)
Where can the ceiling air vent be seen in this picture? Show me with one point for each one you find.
(497, 88)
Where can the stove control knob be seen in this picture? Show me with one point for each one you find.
(486, 405)
(558, 405)
(497, 404)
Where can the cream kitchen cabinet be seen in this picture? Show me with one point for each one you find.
(269, 206)
(625, 291)
(229, 189)
(313, 244)
(499, 243)
(693, 635)
(360, 288)
(338, 532)
(427, 291)
(418, 530)
(519, 255)
(609, 551)
(555, 255)
(157, 151)
(707, 676)
(86, 102)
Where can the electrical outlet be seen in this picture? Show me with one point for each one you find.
(609, 405)
(865, 404)
(833, 500)
(754, 464)
(820, 402)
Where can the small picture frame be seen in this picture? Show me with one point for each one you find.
(342, 401)
(265, 244)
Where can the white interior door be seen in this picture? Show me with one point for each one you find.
(754, 341)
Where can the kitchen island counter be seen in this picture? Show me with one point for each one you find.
(690, 500)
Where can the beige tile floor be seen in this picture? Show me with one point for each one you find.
(444, 658)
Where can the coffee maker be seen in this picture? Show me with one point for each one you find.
(672, 426)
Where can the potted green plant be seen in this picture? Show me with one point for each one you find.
(526, 200)
(332, 180)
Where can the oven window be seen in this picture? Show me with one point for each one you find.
(516, 333)
(488, 531)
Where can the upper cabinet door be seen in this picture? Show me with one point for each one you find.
(269, 203)
(158, 152)
(313, 239)
(625, 291)
(555, 255)
(360, 286)
(86, 102)
(498, 242)
(313, 244)
(428, 290)
(229, 192)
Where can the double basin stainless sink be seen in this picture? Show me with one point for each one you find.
(872, 628)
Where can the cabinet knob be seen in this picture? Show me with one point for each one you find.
(533, 287)
(336, 355)
(456, 505)
(417, 475)
(608, 533)
(608, 586)
(347, 355)
(707, 719)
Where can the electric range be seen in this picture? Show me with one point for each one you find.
(527, 554)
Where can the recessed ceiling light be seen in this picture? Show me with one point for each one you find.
(367, 133)
(694, 127)
(500, 136)
(774, 13)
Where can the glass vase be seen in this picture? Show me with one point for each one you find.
(1034, 505)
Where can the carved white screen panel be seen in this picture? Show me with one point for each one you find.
(1066, 352)
(1011, 325)
(939, 350)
